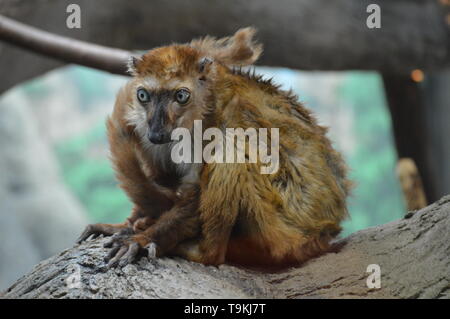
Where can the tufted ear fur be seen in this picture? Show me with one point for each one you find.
(237, 50)
(132, 64)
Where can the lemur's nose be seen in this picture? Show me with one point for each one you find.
(155, 137)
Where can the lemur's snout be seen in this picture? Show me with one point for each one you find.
(156, 137)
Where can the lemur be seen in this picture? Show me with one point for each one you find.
(214, 213)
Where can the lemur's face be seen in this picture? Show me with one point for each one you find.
(170, 91)
(173, 85)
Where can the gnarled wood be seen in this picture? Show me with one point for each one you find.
(413, 254)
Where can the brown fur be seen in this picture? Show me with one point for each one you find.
(226, 212)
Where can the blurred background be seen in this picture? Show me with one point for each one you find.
(55, 176)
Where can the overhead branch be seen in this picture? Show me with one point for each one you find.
(299, 34)
(63, 48)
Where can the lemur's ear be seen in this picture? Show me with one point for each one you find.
(237, 50)
(132, 64)
(204, 66)
(240, 49)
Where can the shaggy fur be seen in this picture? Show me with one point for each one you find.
(224, 212)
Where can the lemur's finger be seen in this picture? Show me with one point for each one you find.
(130, 256)
(116, 238)
(88, 231)
(111, 253)
(151, 251)
(114, 261)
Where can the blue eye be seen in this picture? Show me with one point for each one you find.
(143, 96)
(182, 96)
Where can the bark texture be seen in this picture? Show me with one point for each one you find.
(413, 254)
(299, 34)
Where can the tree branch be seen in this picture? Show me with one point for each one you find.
(63, 48)
(413, 255)
(298, 34)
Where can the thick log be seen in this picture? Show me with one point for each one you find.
(413, 255)
(299, 34)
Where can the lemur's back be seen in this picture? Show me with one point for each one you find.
(285, 217)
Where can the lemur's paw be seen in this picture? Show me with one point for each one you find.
(126, 249)
(95, 230)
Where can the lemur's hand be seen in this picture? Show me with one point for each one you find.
(127, 247)
(95, 230)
